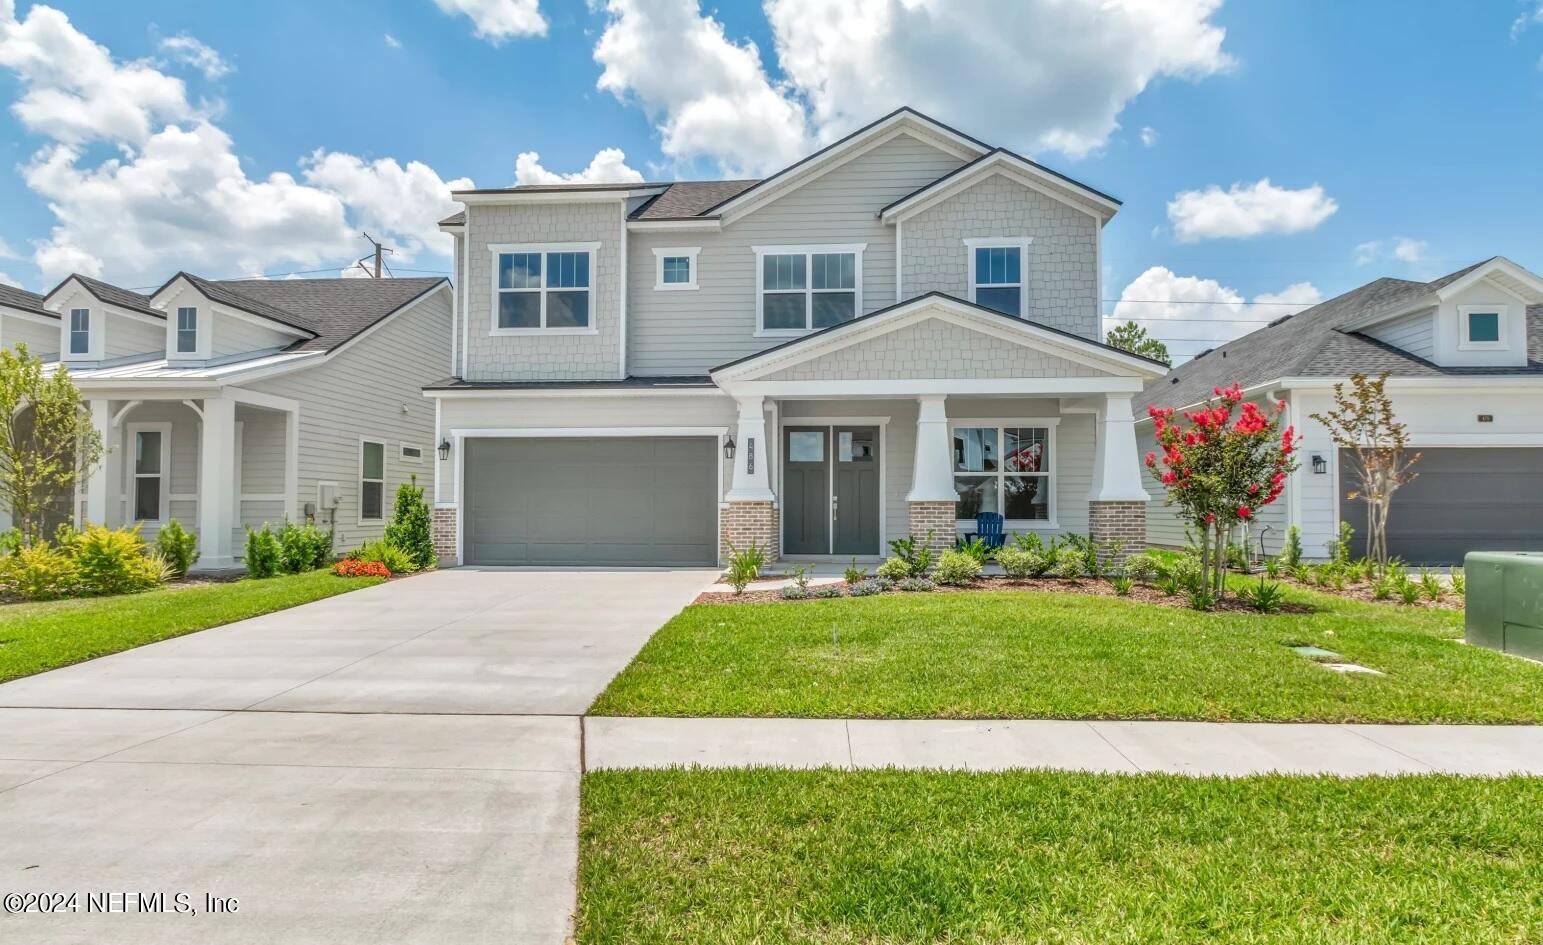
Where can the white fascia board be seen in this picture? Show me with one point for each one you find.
(911, 387)
(554, 196)
(547, 392)
(1004, 165)
(705, 223)
(1503, 266)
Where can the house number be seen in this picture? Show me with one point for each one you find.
(750, 455)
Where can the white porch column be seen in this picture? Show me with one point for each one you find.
(1116, 460)
(932, 475)
(752, 482)
(98, 489)
(291, 467)
(217, 502)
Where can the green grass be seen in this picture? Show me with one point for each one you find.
(44, 636)
(890, 858)
(1031, 654)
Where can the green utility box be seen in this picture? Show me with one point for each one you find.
(1505, 601)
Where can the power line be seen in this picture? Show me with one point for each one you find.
(1204, 302)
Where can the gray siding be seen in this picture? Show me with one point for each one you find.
(362, 392)
(233, 335)
(1063, 257)
(545, 357)
(41, 340)
(692, 332)
(129, 336)
(1414, 333)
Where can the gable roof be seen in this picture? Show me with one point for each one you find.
(687, 199)
(987, 163)
(110, 294)
(333, 311)
(220, 294)
(1317, 342)
(17, 298)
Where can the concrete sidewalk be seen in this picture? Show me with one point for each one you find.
(1194, 748)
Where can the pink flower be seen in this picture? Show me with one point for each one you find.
(1244, 511)
(1151, 460)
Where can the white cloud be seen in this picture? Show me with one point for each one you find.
(709, 96)
(1410, 251)
(1404, 249)
(188, 50)
(1367, 252)
(383, 195)
(6, 252)
(1190, 313)
(1526, 19)
(1246, 210)
(5, 279)
(1148, 136)
(497, 20)
(392, 41)
(609, 166)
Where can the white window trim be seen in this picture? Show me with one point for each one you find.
(497, 249)
(1020, 243)
(176, 332)
(69, 334)
(1022, 524)
(384, 453)
(131, 436)
(761, 252)
(663, 253)
(1463, 311)
(401, 452)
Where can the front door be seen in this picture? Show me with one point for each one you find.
(830, 489)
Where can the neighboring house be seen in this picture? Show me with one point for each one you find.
(232, 404)
(882, 339)
(1465, 359)
(24, 320)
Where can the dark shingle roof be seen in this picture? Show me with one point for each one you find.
(112, 295)
(691, 198)
(333, 310)
(454, 219)
(1314, 343)
(26, 301)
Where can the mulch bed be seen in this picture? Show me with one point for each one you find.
(1363, 592)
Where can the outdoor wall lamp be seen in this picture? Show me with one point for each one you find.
(728, 446)
(1320, 465)
(444, 450)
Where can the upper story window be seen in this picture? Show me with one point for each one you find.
(543, 288)
(997, 270)
(1482, 326)
(80, 331)
(187, 330)
(806, 288)
(675, 268)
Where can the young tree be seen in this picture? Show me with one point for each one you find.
(1227, 463)
(411, 530)
(1362, 421)
(1133, 338)
(47, 442)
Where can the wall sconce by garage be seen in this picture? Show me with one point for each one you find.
(728, 446)
(444, 450)
(1320, 465)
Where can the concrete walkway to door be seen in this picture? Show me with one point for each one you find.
(398, 764)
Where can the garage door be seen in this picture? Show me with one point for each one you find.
(591, 501)
(1464, 500)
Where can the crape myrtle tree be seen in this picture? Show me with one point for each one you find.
(1220, 464)
(47, 442)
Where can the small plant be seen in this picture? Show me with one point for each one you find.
(1018, 563)
(1200, 598)
(1143, 566)
(1408, 591)
(800, 575)
(1459, 582)
(1302, 572)
(305, 548)
(1029, 541)
(1382, 588)
(394, 558)
(353, 567)
(956, 568)
(1070, 563)
(916, 555)
(975, 548)
(745, 566)
(1272, 568)
(868, 588)
(177, 547)
(1291, 555)
(825, 591)
(794, 592)
(854, 574)
(894, 569)
(262, 553)
(116, 561)
(39, 572)
(1430, 585)
(1237, 558)
(1169, 585)
(1085, 549)
(10, 541)
(1122, 584)
(411, 529)
(915, 584)
(1265, 597)
(1339, 546)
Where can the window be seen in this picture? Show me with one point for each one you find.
(1004, 468)
(542, 288)
(187, 330)
(675, 268)
(808, 288)
(372, 480)
(148, 473)
(412, 454)
(996, 274)
(1483, 326)
(80, 331)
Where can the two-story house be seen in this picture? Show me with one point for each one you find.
(1464, 359)
(886, 338)
(231, 404)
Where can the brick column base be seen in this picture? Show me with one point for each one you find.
(443, 529)
(1119, 521)
(742, 524)
(936, 517)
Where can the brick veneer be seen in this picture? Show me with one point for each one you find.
(938, 517)
(742, 524)
(1125, 521)
(444, 535)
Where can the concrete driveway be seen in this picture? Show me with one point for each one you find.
(399, 764)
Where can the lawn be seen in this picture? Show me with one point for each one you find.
(38, 637)
(1039, 654)
(760, 856)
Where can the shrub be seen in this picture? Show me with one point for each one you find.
(1265, 597)
(1017, 562)
(745, 566)
(853, 574)
(1143, 566)
(1086, 551)
(302, 547)
(262, 553)
(39, 572)
(1430, 585)
(794, 592)
(1029, 541)
(1408, 591)
(1069, 563)
(1339, 545)
(353, 567)
(915, 584)
(975, 548)
(916, 555)
(825, 590)
(1459, 582)
(894, 569)
(177, 547)
(1382, 588)
(957, 568)
(1122, 584)
(1200, 598)
(116, 561)
(10, 541)
(1291, 555)
(394, 558)
(411, 529)
(869, 587)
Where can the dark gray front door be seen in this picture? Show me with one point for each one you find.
(588, 501)
(831, 489)
(1479, 499)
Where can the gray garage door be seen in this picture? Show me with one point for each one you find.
(591, 501)
(1464, 500)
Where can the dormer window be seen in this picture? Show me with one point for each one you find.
(80, 331)
(1482, 327)
(187, 330)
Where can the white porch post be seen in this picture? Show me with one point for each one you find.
(291, 466)
(1116, 461)
(932, 476)
(752, 482)
(99, 488)
(216, 483)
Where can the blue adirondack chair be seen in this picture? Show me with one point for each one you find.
(988, 528)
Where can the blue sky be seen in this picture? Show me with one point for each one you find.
(1397, 138)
